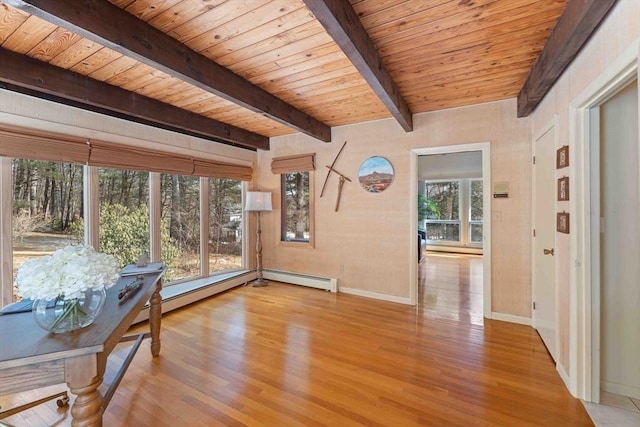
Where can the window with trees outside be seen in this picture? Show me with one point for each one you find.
(47, 213)
(475, 214)
(180, 220)
(296, 218)
(47, 208)
(225, 224)
(454, 212)
(124, 230)
(443, 211)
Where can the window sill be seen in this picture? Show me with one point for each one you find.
(185, 293)
(298, 244)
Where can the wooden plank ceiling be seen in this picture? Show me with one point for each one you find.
(439, 54)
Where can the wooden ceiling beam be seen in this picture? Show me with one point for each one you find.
(24, 74)
(116, 29)
(577, 23)
(344, 26)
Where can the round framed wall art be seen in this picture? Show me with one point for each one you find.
(375, 174)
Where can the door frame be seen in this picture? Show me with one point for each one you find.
(485, 149)
(584, 283)
(551, 126)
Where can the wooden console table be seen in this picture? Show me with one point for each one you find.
(30, 357)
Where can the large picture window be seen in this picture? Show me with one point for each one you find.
(46, 208)
(225, 224)
(454, 212)
(124, 214)
(47, 213)
(180, 214)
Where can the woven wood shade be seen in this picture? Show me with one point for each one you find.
(45, 146)
(40, 146)
(108, 155)
(214, 169)
(297, 163)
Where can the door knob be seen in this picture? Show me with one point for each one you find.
(548, 251)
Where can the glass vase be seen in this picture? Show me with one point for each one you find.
(65, 315)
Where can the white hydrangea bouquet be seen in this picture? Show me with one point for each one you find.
(66, 276)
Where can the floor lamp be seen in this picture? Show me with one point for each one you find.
(258, 201)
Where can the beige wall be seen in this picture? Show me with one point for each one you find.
(620, 29)
(367, 243)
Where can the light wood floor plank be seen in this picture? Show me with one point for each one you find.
(285, 355)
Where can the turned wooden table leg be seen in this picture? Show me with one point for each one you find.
(155, 316)
(83, 381)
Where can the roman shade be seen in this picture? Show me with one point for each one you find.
(297, 163)
(213, 169)
(109, 155)
(40, 146)
(23, 143)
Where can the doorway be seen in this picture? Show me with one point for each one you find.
(616, 246)
(484, 149)
(589, 286)
(450, 199)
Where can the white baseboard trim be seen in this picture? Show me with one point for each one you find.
(326, 283)
(621, 389)
(375, 295)
(455, 249)
(564, 376)
(173, 302)
(511, 318)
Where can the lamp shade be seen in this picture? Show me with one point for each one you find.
(258, 201)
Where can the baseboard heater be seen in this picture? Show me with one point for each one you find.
(317, 282)
(180, 295)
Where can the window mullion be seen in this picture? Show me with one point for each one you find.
(204, 227)
(245, 228)
(154, 216)
(6, 241)
(91, 195)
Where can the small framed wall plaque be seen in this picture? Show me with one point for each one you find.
(562, 222)
(562, 157)
(563, 188)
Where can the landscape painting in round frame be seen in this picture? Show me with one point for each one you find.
(375, 174)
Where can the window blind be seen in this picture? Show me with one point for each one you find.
(297, 163)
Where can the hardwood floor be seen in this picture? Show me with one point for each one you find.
(450, 287)
(285, 355)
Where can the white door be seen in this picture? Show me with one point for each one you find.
(543, 261)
